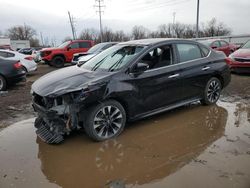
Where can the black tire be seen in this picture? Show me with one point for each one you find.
(24, 68)
(105, 120)
(58, 62)
(212, 91)
(3, 83)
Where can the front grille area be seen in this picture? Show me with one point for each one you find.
(42, 54)
(242, 60)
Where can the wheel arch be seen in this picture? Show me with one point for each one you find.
(59, 55)
(218, 76)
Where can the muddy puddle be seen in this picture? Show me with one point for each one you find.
(193, 146)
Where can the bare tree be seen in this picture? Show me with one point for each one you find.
(179, 30)
(165, 31)
(213, 28)
(139, 32)
(120, 36)
(190, 31)
(89, 34)
(24, 32)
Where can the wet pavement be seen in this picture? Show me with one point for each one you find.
(192, 146)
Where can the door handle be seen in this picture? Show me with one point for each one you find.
(174, 76)
(205, 68)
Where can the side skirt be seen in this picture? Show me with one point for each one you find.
(163, 109)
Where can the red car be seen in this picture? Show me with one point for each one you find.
(240, 59)
(64, 53)
(220, 45)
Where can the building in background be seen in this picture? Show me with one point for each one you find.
(6, 43)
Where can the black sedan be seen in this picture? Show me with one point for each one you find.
(11, 72)
(126, 82)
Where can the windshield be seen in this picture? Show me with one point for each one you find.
(113, 58)
(246, 45)
(96, 48)
(64, 44)
(206, 42)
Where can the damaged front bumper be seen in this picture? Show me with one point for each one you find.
(56, 117)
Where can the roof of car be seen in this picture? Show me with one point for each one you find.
(151, 41)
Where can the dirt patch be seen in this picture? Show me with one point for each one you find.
(16, 104)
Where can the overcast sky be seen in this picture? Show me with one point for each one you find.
(50, 16)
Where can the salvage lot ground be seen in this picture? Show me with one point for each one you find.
(193, 146)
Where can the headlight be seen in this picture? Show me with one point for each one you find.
(231, 57)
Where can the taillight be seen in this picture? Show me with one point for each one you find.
(29, 58)
(17, 65)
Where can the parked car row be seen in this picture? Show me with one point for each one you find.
(11, 72)
(239, 56)
(14, 66)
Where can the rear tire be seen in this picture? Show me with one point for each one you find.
(58, 62)
(3, 83)
(105, 120)
(24, 68)
(212, 91)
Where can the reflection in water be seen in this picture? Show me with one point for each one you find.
(109, 155)
(147, 151)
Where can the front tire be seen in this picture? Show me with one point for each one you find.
(58, 62)
(212, 91)
(105, 120)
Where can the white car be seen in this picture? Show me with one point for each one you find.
(29, 65)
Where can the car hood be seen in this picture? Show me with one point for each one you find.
(86, 57)
(50, 49)
(243, 53)
(67, 80)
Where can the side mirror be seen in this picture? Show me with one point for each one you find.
(213, 47)
(68, 48)
(141, 67)
(80, 63)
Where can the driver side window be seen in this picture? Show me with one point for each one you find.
(74, 45)
(159, 57)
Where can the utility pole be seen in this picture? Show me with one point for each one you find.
(197, 19)
(41, 35)
(99, 6)
(71, 20)
(174, 14)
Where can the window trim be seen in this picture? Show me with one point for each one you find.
(177, 64)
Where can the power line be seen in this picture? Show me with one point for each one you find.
(99, 6)
(161, 5)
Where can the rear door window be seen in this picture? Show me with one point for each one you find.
(188, 52)
(84, 44)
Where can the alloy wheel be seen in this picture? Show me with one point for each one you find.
(1, 84)
(213, 92)
(108, 121)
